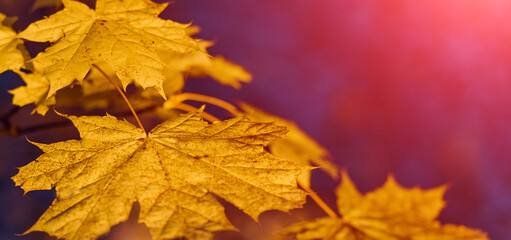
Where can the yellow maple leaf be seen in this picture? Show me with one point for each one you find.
(387, 213)
(11, 55)
(127, 34)
(34, 92)
(296, 146)
(172, 173)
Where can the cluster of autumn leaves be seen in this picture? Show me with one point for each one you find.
(175, 170)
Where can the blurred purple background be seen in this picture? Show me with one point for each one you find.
(420, 89)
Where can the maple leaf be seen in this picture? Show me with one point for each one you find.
(172, 173)
(11, 47)
(388, 213)
(127, 34)
(34, 92)
(296, 146)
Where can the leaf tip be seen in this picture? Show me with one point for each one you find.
(201, 109)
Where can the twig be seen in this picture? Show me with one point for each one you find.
(9, 129)
(64, 123)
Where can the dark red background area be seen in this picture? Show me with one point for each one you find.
(420, 89)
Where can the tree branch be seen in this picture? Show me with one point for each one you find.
(12, 130)
(9, 129)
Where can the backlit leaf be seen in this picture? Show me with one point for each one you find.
(172, 173)
(390, 212)
(127, 34)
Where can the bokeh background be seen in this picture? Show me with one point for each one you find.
(420, 89)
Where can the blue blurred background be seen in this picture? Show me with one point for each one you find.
(420, 89)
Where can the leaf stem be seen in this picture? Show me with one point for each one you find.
(123, 96)
(190, 108)
(208, 99)
(318, 200)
